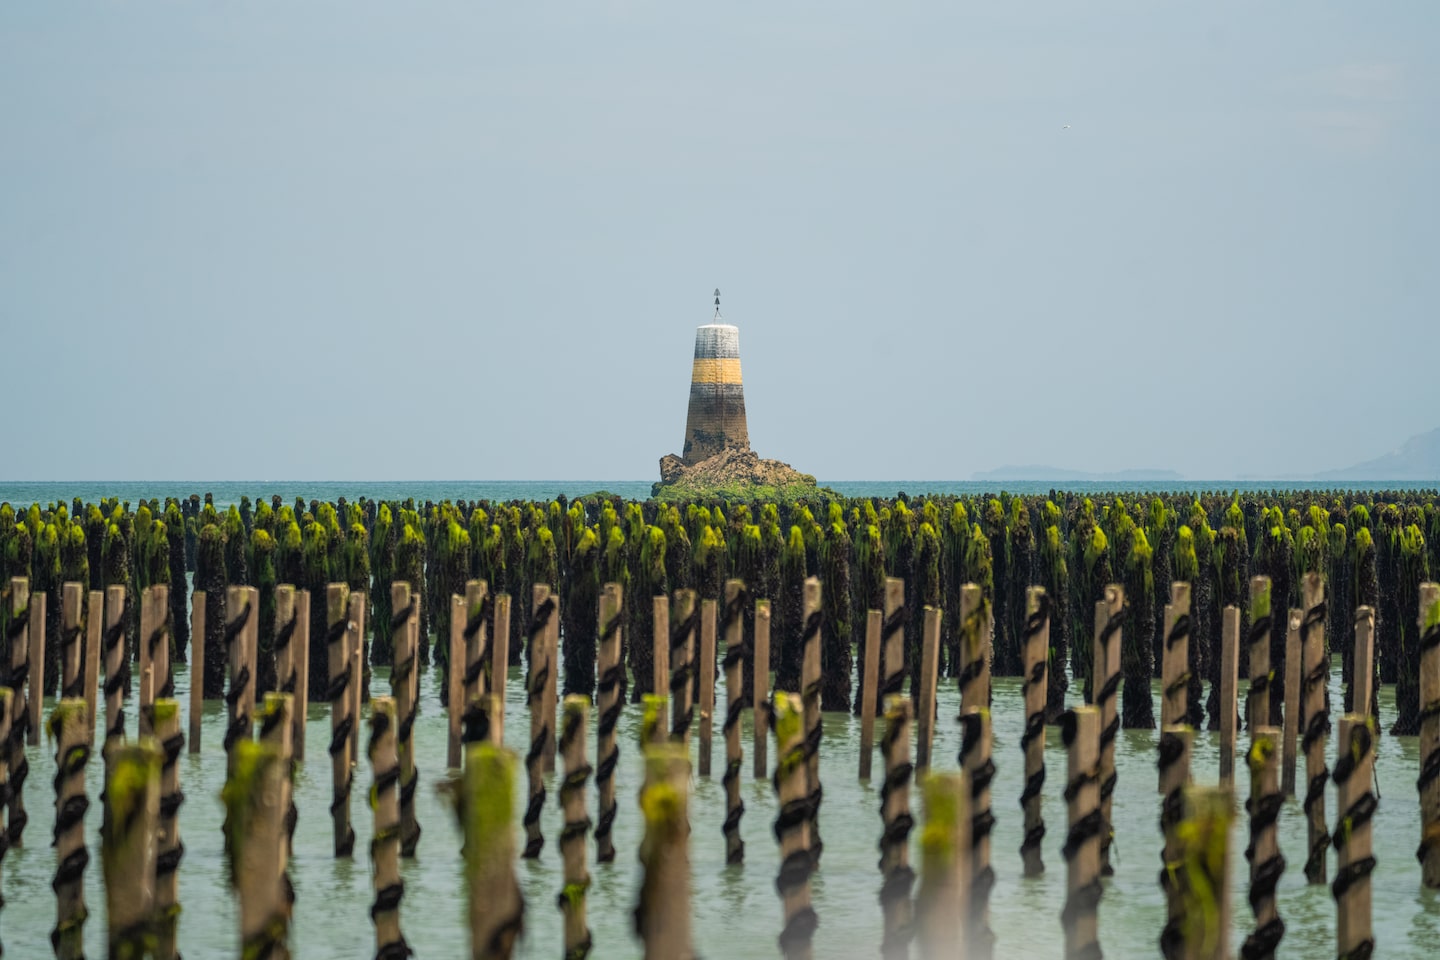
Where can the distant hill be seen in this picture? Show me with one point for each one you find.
(1418, 459)
(1041, 474)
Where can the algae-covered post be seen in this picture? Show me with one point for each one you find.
(1205, 863)
(484, 799)
(72, 753)
(337, 598)
(733, 626)
(760, 683)
(607, 750)
(868, 680)
(662, 916)
(255, 806)
(1429, 781)
(541, 726)
(707, 684)
(685, 620)
(897, 876)
(810, 701)
(385, 847)
(127, 844)
(1080, 729)
(1034, 655)
(1229, 686)
(941, 904)
(1317, 725)
(1290, 726)
(197, 666)
(1175, 743)
(1266, 862)
(19, 713)
(577, 825)
(1109, 621)
(925, 691)
(792, 827)
(1175, 657)
(975, 760)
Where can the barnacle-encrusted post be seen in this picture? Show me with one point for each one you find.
(1034, 655)
(976, 760)
(1429, 780)
(127, 845)
(1257, 698)
(1175, 657)
(337, 639)
(1317, 724)
(542, 725)
(942, 902)
(166, 721)
(1175, 742)
(19, 712)
(1110, 614)
(385, 846)
(1263, 851)
(72, 753)
(1354, 771)
(732, 625)
(895, 869)
(577, 825)
(484, 799)
(1080, 731)
(607, 749)
(662, 916)
(792, 826)
(255, 806)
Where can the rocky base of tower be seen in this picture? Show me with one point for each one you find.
(735, 473)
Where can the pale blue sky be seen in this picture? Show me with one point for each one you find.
(443, 240)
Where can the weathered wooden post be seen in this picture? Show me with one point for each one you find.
(356, 623)
(1109, 625)
(72, 663)
(302, 670)
(541, 723)
(1080, 731)
(976, 760)
(898, 877)
(1317, 723)
(868, 679)
(385, 847)
(166, 723)
(127, 844)
(1035, 656)
(1257, 698)
(943, 900)
(577, 825)
(455, 680)
(239, 697)
(760, 684)
(662, 917)
(683, 626)
(1229, 688)
(792, 827)
(113, 644)
(607, 749)
(1363, 657)
(197, 665)
(1205, 864)
(975, 643)
(154, 635)
(287, 674)
(1175, 657)
(1266, 861)
(19, 766)
(500, 662)
(1354, 771)
(94, 640)
(337, 638)
(404, 687)
(1429, 780)
(476, 645)
(810, 703)
(255, 807)
(277, 719)
(732, 625)
(892, 639)
(72, 753)
(7, 707)
(926, 690)
(707, 684)
(484, 799)
(549, 702)
(35, 696)
(1175, 743)
(1293, 706)
(660, 660)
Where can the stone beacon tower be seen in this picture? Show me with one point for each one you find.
(716, 418)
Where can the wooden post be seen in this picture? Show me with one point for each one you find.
(337, 601)
(607, 749)
(1317, 723)
(975, 760)
(1363, 662)
(1229, 687)
(1263, 852)
(114, 647)
(1205, 859)
(35, 698)
(925, 695)
(682, 664)
(662, 917)
(550, 695)
(577, 824)
(197, 665)
(20, 627)
(707, 684)
(811, 702)
(975, 643)
(732, 624)
(485, 804)
(287, 675)
(302, 671)
(239, 696)
(541, 723)
(165, 715)
(660, 660)
(1175, 657)
(760, 683)
(127, 843)
(1354, 772)
(1291, 727)
(895, 838)
(255, 808)
(500, 663)
(72, 752)
(476, 638)
(154, 651)
(1080, 730)
(277, 719)
(403, 687)
(1035, 656)
(943, 899)
(1429, 780)
(892, 639)
(1109, 620)
(7, 708)
(356, 625)
(1257, 698)
(72, 663)
(793, 832)
(385, 848)
(868, 679)
(94, 640)
(455, 679)
(1175, 743)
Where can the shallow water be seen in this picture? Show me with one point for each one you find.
(736, 910)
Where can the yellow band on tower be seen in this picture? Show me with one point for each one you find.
(725, 370)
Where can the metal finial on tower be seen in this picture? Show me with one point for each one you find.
(717, 303)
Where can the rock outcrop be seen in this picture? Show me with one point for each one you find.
(733, 472)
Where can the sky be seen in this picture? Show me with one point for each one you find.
(364, 240)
